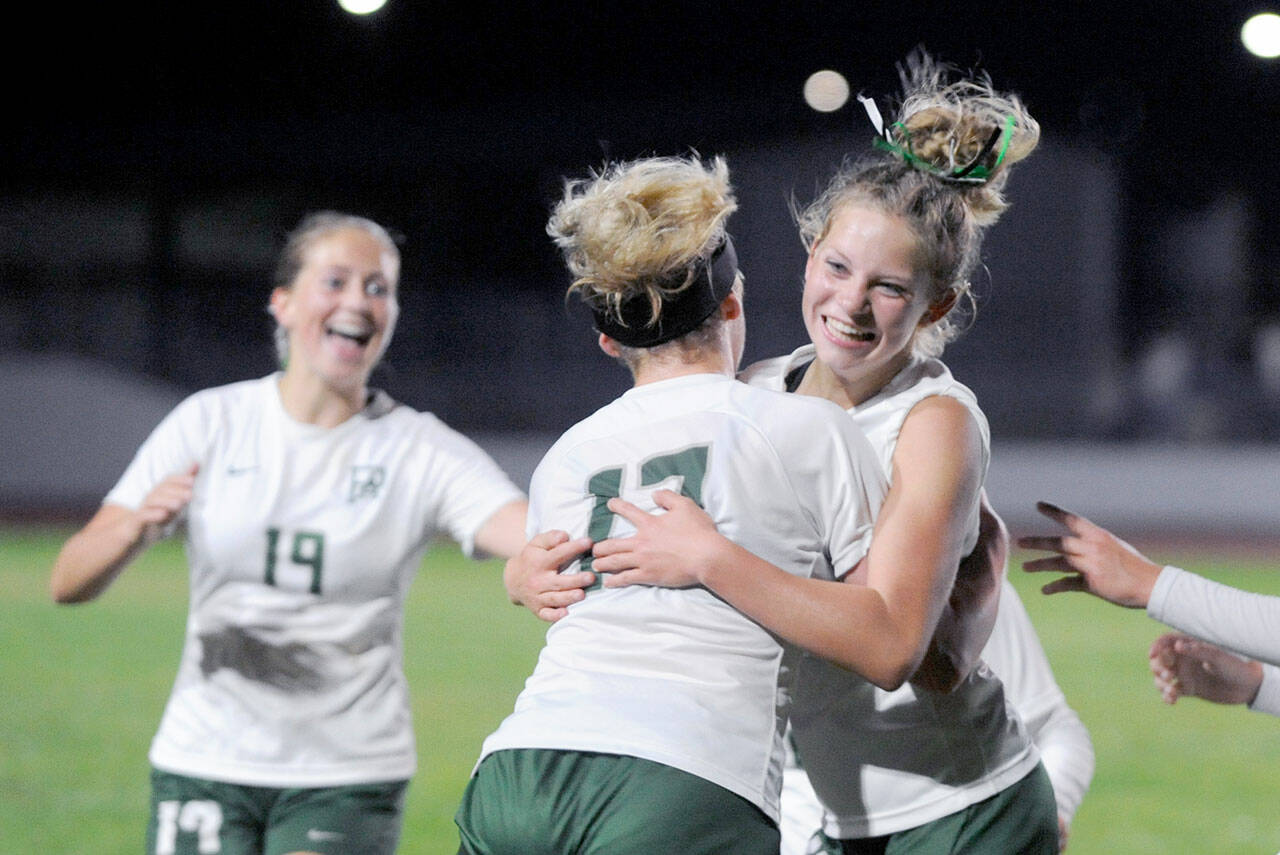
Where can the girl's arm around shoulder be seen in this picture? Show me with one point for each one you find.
(970, 614)
(846, 624)
(922, 533)
(880, 630)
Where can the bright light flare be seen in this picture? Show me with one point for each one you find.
(361, 7)
(826, 91)
(1261, 35)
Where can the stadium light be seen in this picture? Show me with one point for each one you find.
(826, 91)
(361, 7)
(1261, 35)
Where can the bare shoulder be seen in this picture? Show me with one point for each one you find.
(940, 433)
(940, 416)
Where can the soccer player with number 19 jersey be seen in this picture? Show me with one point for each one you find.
(308, 501)
(302, 542)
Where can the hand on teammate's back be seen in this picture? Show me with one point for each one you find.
(533, 578)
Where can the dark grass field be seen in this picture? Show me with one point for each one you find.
(84, 687)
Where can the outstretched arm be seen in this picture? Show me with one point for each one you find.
(93, 557)
(502, 535)
(1104, 565)
(1094, 559)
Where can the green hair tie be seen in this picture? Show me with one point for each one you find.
(975, 172)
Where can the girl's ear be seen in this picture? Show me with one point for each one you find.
(938, 309)
(609, 346)
(279, 301)
(731, 307)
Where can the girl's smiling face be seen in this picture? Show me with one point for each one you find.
(865, 296)
(340, 311)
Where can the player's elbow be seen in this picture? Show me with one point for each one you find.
(886, 657)
(901, 672)
(59, 589)
(66, 587)
(890, 672)
(891, 680)
(64, 595)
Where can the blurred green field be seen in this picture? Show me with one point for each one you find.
(84, 687)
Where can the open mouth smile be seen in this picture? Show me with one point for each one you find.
(847, 332)
(358, 334)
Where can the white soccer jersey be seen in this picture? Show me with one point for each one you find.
(887, 761)
(1015, 655)
(679, 676)
(302, 542)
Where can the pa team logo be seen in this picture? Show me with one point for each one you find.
(366, 481)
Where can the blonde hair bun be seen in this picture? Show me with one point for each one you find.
(639, 227)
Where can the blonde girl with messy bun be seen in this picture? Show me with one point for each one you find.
(653, 721)
(947, 160)
(939, 763)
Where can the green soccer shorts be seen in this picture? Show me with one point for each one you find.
(1021, 819)
(193, 816)
(533, 801)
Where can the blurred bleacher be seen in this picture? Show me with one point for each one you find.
(73, 426)
(114, 310)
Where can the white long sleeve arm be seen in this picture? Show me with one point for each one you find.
(1238, 620)
(1065, 749)
(1015, 654)
(1244, 622)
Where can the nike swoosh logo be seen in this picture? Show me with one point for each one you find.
(240, 470)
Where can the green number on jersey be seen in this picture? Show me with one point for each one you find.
(307, 551)
(689, 465)
(604, 485)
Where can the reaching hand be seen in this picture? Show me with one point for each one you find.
(1096, 560)
(1183, 666)
(668, 550)
(165, 502)
(533, 578)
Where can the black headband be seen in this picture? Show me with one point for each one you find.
(681, 311)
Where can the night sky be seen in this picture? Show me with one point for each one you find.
(230, 94)
(454, 123)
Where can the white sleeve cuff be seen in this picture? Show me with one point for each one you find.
(1160, 591)
(1268, 699)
